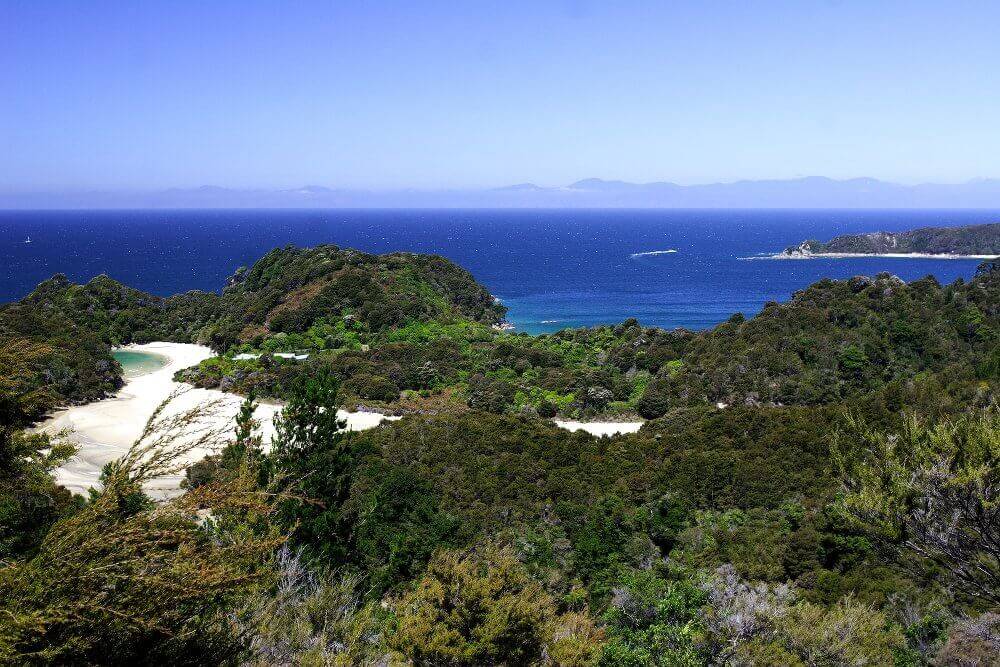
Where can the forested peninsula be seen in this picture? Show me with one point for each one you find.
(813, 485)
(967, 241)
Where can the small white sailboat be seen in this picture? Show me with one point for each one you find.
(27, 240)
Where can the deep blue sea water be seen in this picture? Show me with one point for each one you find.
(553, 268)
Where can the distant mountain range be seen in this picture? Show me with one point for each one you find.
(810, 192)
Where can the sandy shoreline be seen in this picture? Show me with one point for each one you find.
(600, 428)
(104, 430)
(855, 255)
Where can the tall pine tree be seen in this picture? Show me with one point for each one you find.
(312, 459)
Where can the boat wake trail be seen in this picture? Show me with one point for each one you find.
(652, 253)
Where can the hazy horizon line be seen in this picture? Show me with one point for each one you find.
(818, 192)
(107, 189)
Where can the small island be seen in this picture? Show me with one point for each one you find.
(970, 241)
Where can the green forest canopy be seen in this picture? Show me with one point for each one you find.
(805, 522)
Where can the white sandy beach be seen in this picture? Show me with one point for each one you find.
(600, 428)
(104, 430)
(856, 255)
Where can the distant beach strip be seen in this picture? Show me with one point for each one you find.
(652, 253)
(856, 255)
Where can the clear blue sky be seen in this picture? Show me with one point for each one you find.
(461, 94)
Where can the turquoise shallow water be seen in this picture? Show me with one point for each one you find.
(135, 364)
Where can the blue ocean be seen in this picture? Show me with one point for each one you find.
(552, 268)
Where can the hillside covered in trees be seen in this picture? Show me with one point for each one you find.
(831, 341)
(288, 292)
(815, 485)
(983, 240)
(415, 333)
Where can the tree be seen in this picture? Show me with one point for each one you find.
(933, 490)
(246, 448)
(489, 395)
(847, 633)
(397, 525)
(655, 400)
(603, 538)
(763, 624)
(314, 618)
(248, 440)
(483, 608)
(309, 421)
(30, 501)
(372, 387)
(853, 360)
(653, 621)
(240, 456)
(312, 459)
(139, 583)
(23, 396)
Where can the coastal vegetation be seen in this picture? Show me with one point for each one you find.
(975, 240)
(324, 292)
(839, 339)
(47, 359)
(830, 342)
(416, 334)
(815, 485)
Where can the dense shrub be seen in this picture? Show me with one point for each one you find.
(372, 387)
(483, 608)
(716, 534)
